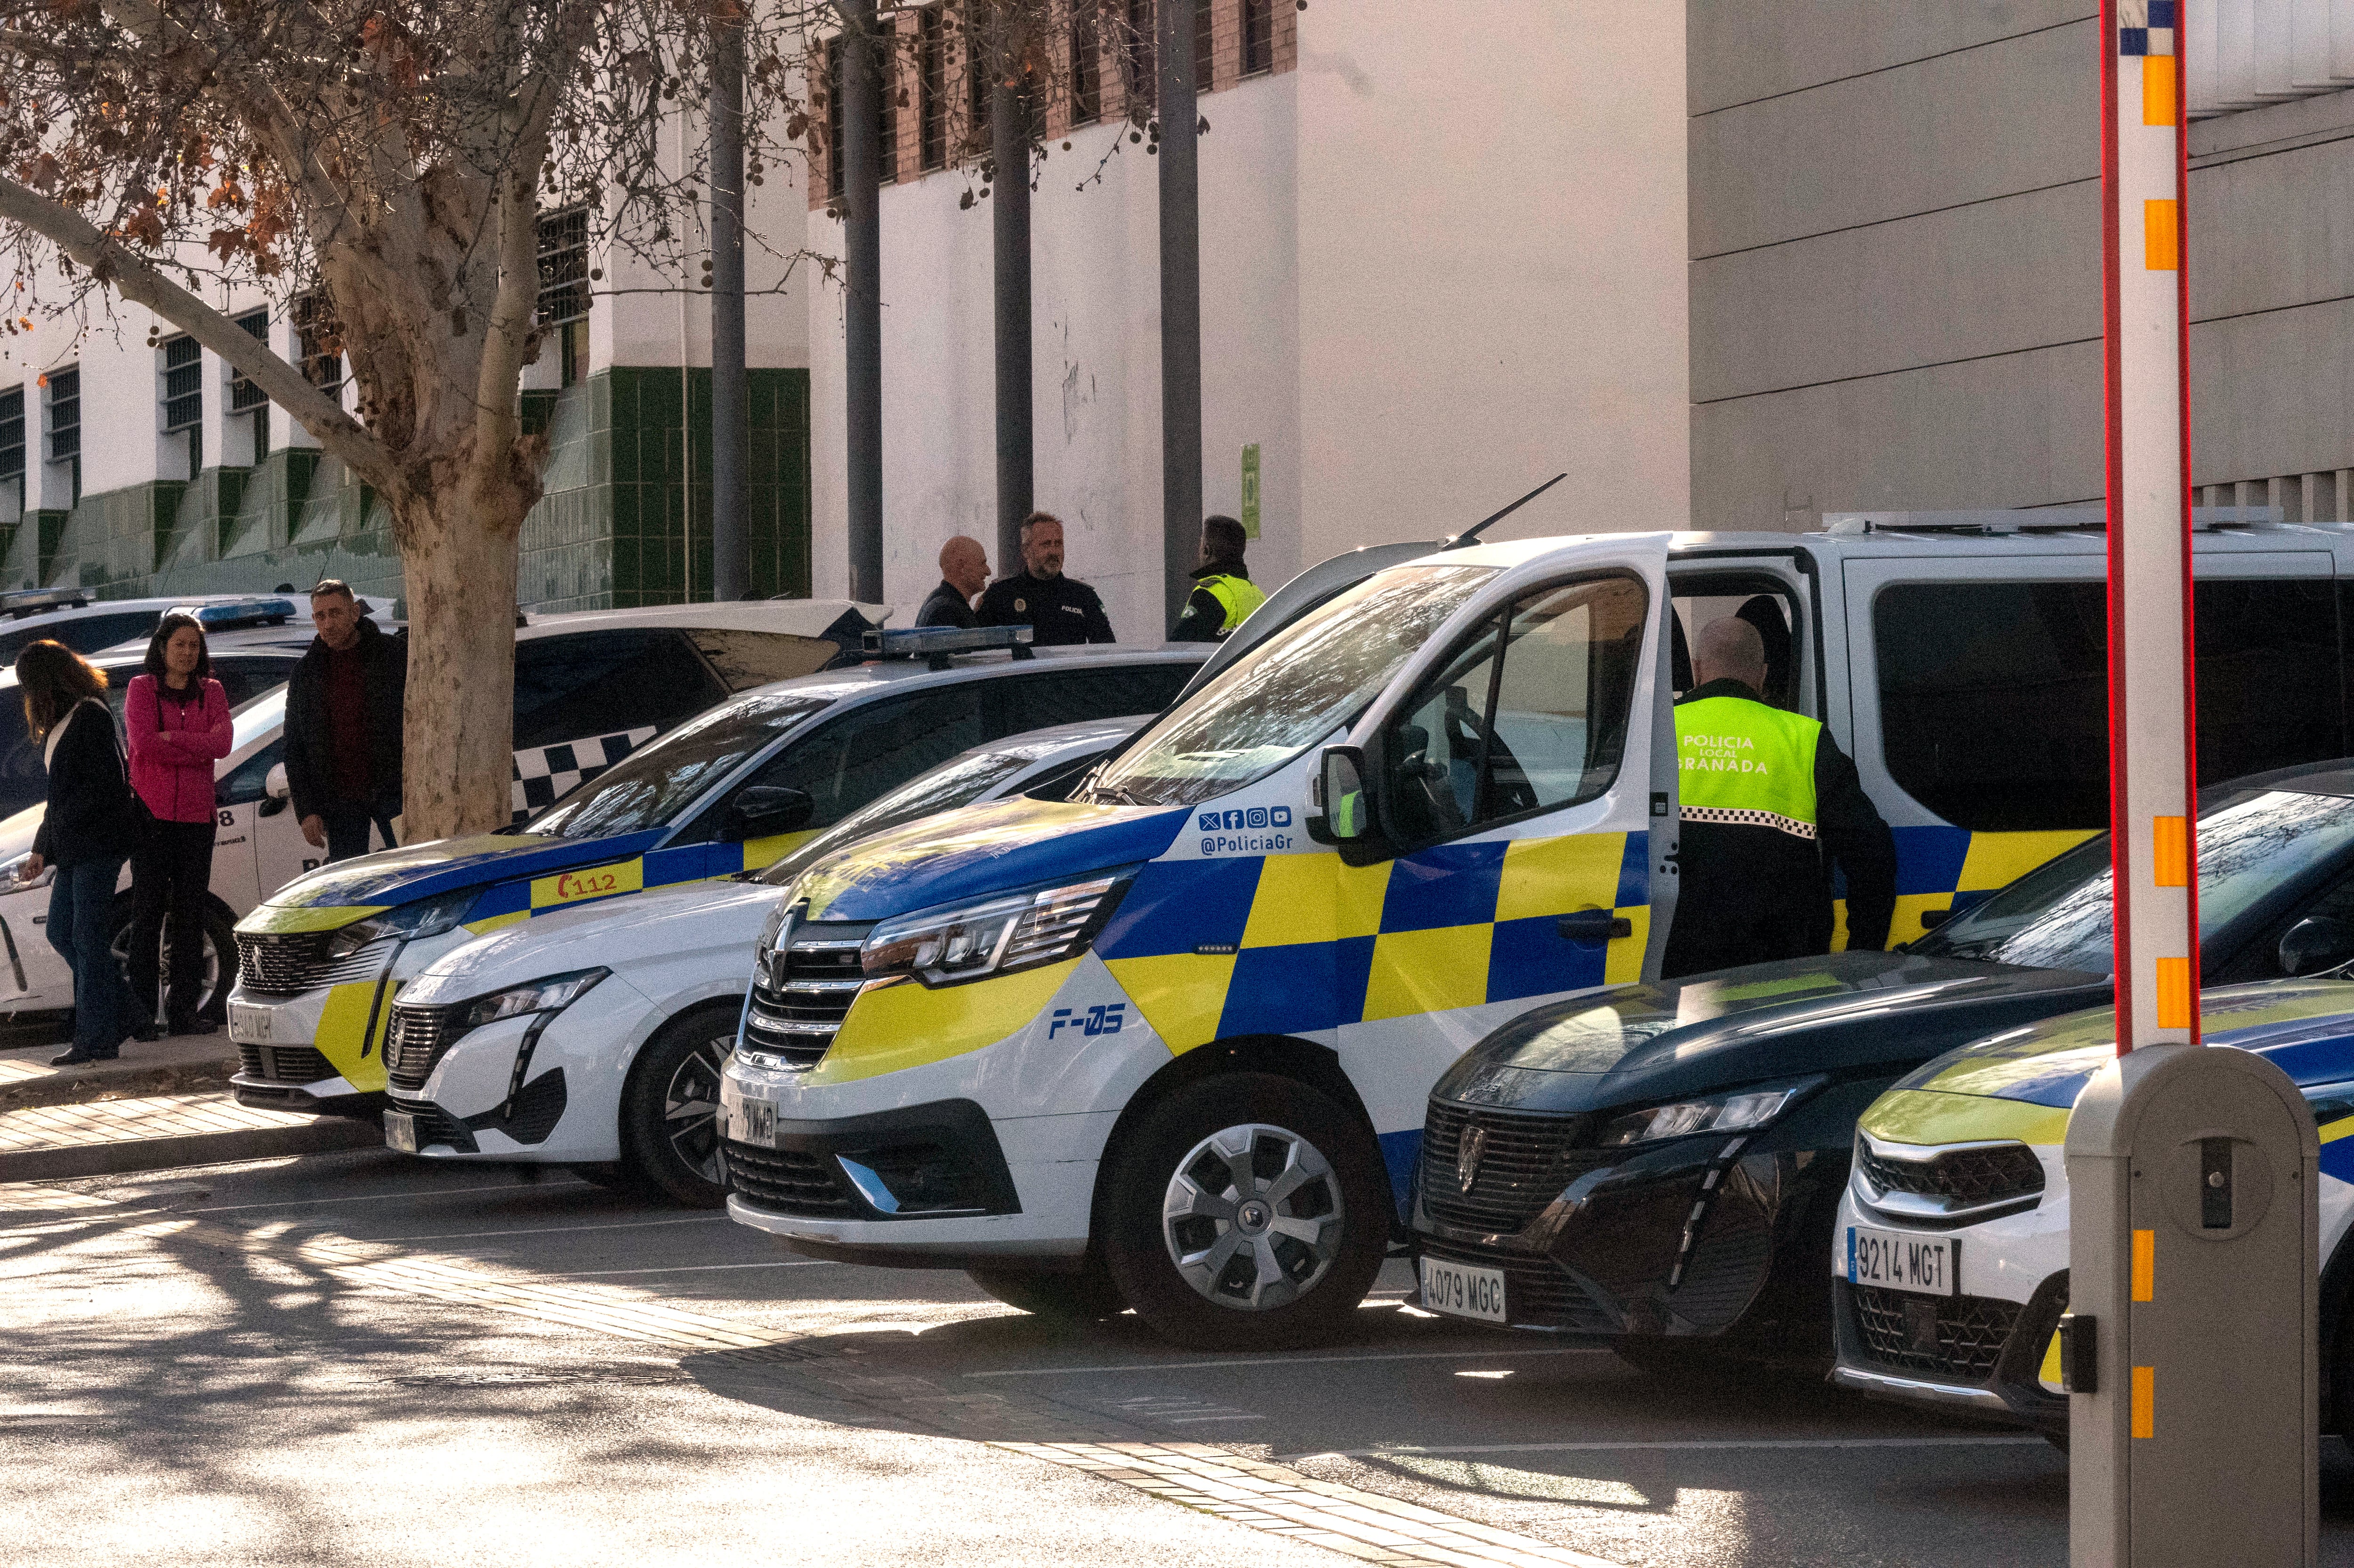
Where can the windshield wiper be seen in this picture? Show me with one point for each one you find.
(1116, 794)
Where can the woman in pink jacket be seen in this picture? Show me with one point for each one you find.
(176, 720)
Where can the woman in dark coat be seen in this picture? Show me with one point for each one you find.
(88, 830)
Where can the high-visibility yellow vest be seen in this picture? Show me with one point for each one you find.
(1742, 762)
(1237, 596)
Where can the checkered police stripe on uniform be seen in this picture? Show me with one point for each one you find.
(1743, 818)
(543, 775)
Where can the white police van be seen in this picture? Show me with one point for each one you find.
(1168, 1042)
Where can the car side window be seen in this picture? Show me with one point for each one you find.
(1530, 715)
(1994, 695)
(583, 684)
(1076, 696)
(242, 680)
(854, 758)
(243, 784)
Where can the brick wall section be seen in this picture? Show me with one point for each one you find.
(904, 160)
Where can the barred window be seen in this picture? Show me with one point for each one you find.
(12, 438)
(184, 395)
(319, 334)
(563, 266)
(932, 82)
(886, 56)
(1204, 53)
(833, 57)
(1086, 62)
(1259, 36)
(65, 414)
(244, 397)
(1139, 56)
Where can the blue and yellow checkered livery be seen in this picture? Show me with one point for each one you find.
(1298, 944)
(1943, 867)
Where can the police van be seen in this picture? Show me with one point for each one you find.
(1167, 1042)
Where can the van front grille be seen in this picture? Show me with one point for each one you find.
(802, 992)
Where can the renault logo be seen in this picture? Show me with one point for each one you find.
(1466, 1157)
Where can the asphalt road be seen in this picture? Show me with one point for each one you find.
(361, 1357)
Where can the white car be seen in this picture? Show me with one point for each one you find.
(589, 686)
(594, 1037)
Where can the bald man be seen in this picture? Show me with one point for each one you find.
(964, 572)
(1768, 804)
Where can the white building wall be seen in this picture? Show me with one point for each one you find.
(1435, 271)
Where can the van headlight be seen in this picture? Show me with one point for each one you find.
(1744, 1110)
(997, 936)
(426, 918)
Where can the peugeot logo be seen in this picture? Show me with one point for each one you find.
(1466, 1157)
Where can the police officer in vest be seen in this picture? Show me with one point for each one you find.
(1769, 803)
(1223, 592)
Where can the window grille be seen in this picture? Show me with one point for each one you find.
(563, 266)
(833, 118)
(932, 73)
(183, 384)
(1087, 63)
(65, 414)
(244, 397)
(1259, 36)
(978, 85)
(1204, 53)
(886, 56)
(319, 334)
(1143, 88)
(12, 438)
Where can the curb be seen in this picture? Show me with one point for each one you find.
(313, 1136)
(67, 1088)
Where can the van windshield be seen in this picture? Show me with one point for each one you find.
(2057, 916)
(1289, 693)
(651, 787)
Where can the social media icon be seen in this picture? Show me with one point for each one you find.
(1257, 816)
(1209, 823)
(1281, 816)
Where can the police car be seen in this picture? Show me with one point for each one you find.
(1950, 1260)
(1168, 1043)
(321, 961)
(593, 1036)
(579, 678)
(87, 624)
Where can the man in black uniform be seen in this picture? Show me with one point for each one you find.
(1060, 610)
(964, 572)
(1767, 802)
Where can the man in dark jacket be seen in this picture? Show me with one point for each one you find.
(343, 726)
(964, 572)
(1767, 802)
(1223, 595)
(1058, 609)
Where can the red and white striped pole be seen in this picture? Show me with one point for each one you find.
(2153, 745)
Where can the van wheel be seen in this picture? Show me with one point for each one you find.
(216, 973)
(1247, 1211)
(670, 1107)
(1086, 1296)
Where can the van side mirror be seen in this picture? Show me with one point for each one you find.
(2315, 943)
(1346, 804)
(275, 793)
(764, 810)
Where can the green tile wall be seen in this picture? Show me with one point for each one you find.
(608, 533)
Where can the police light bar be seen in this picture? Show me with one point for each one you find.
(32, 601)
(936, 644)
(238, 613)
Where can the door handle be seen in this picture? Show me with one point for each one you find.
(1595, 926)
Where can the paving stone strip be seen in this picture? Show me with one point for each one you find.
(1252, 1492)
(153, 1133)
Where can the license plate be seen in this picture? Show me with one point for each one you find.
(400, 1131)
(1461, 1290)
(755, 1122)
(248, 1024)
(1894, 1260)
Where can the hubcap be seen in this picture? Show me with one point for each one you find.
(691, 1108)
(208, 972)
(1253, 1217)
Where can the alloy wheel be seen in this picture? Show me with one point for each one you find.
(209, 981)
(690, 1107)
(1253, 1217)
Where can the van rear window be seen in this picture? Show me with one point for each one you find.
(1994, 697)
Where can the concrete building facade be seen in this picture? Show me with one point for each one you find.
(1440, 264)
(134, 462)
(1895, 255)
